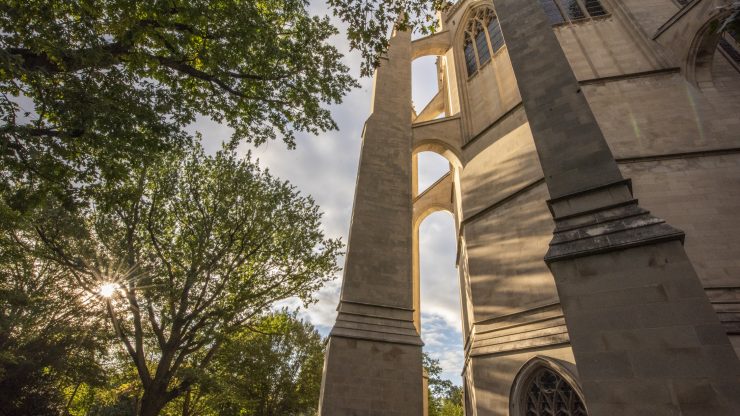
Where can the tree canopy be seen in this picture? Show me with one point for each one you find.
(87, 86)
(369, 22)
(183, 257)
(48, 334)
(184, 252)
(271, 369)
(109, 210)
(445, 398)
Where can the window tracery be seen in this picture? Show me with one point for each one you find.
(566, 11)
(729, 41)
(482, 39)
(548, 394)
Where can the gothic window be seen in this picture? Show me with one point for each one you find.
(566, 11)
(552, 11)
(470, 55)
(482, 39)
(572, 9)
(729, 41)
(594, 8)
(481, 44)
(548, 394)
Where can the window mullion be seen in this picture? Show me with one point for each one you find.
(488, 40)
(566, 16)
(475, 51)
(582, 4)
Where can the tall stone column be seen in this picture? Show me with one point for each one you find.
(645, 338)
(373, 361)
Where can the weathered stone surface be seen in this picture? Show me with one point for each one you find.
(552, 142)
(373, 360)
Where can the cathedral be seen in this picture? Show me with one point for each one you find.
(594, 150)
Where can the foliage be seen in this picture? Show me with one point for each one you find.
(89, 86)
(270, 369)
(445, 398)
(368, 23)
(117, 395)
(47, 334)
(99, 181)
(197, 247)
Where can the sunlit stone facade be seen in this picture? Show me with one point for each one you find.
(595, 185)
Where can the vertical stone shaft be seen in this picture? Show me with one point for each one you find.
(644, 336)
(373, 360)
(570, 144)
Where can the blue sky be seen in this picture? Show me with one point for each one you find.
(325, 167)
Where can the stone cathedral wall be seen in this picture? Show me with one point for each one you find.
(677, 141)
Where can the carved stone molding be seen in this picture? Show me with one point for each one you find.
(603, 219)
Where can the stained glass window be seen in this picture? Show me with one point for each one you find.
(470, 55)
(565, 11)
(494, 31)
(729, 42)
(572, 9)
(482, 39)
(481, 44)
(594, 8)
(552, 11)
(548, 394)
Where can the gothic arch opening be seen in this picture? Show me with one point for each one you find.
(439, 290)
(437, 287)
(545, 386)
(441, 321)
(425, 86)
(431, 167)
(433, 96)
(714, 56)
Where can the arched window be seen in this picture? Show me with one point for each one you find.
(729, 42)
(482, 39)
(566, 11)
(549, 394)
(546, 386)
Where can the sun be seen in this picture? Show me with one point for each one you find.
(108, 289)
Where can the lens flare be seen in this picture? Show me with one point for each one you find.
(108, 289)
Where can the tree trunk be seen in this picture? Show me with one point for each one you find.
(153, 401)
(186, 404)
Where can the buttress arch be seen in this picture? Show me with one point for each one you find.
(704, 46)
(442, 195)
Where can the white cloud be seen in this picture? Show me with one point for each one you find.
(443, 342)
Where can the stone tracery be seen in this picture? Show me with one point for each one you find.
(548, 394)
(482, 39)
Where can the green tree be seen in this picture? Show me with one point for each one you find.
(271, 369)
(369, 21)
(88, 86)
(48, 337)
(445, 398)
(187, 250)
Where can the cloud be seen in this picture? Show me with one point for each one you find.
(443, 342)
(322, 313)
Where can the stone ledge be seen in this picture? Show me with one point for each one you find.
(376, 323)
(603, 219)
(376, 336)
(537, 342)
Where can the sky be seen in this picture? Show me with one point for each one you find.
(325, 167)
